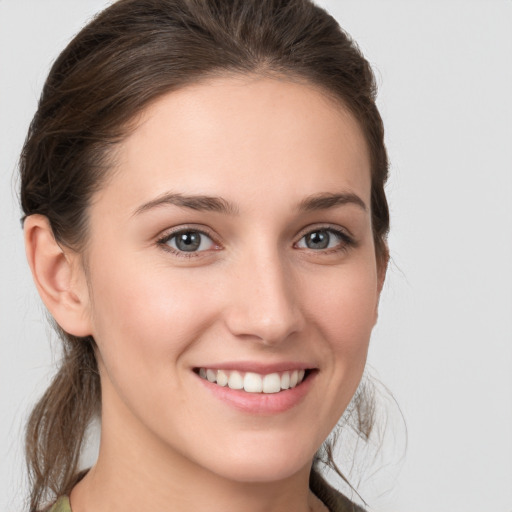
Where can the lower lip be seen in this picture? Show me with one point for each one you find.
(261, 403)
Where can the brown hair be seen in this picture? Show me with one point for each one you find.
(129, 55)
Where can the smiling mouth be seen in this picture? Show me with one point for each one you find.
(251, 382)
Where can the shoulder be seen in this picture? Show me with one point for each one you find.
(332, 499)
(61, 505)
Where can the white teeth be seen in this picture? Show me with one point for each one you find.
(285, 380)
(294, 377)
(235, 381)
(253, 382)
(271, 383)
(222, 378)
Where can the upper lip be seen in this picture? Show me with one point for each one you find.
(258, 367)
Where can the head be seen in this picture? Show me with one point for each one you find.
(122, 72)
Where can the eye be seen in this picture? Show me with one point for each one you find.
(189, 240)
(322, 239)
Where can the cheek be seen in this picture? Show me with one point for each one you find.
(344, 307)
(151, 315)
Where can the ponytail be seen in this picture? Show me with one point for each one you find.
(57, 424)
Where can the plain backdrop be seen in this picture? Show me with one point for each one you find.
(443, 344)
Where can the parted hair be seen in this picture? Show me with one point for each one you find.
(128, 56)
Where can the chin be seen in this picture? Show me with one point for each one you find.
(264, 463)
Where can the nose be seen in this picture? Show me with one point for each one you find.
(263, 304)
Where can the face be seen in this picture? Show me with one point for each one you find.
(232, 248)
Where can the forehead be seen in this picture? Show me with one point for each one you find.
(242, 135)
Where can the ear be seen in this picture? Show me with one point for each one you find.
(382, 267)
(58, 275)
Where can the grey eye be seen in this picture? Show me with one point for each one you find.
(190, 241)
(317, 240)
(320, 239)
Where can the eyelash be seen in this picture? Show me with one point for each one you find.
(165, 239)
(345, 243)
(345, 240)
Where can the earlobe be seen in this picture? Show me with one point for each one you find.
(58, 276)
(381, 276)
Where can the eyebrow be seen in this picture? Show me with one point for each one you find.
(194, 202)
(324, 201)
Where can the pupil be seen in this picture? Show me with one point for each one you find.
(318, 240)
(188, 241)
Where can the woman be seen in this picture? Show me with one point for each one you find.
(205, 220)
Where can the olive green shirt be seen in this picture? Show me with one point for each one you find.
(62, 505)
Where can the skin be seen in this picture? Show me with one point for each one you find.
(256, 292)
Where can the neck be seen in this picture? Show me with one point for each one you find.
(99, 493)
(136, 471)
(116, 487)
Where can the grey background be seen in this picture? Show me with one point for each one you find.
(443, 344)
